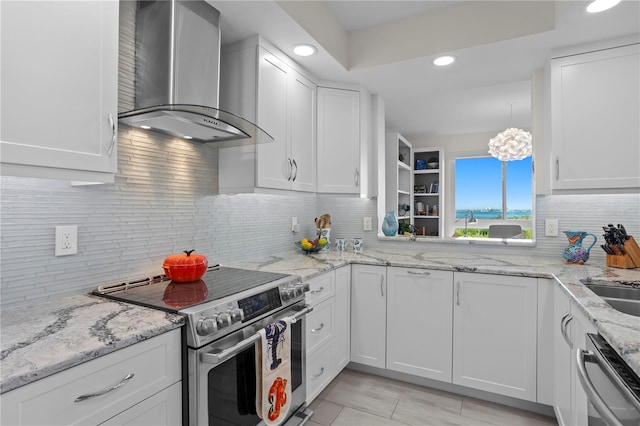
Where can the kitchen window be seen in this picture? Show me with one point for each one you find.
(492, 192)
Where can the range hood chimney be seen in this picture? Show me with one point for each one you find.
(177, 75)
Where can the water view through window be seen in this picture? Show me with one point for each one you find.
(479, 190)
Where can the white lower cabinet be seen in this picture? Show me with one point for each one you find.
(369, 315)
(420, 322)
(495, 333)
(327, 342)
(571, 327)
(151, 394)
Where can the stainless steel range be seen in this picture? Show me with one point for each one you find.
(224, 311)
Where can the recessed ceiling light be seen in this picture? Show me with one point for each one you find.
(444, 60)
(304, 50)
(187, 137)
(145, 127)
(601, 5)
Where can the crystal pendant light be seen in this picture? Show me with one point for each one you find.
(511, 144)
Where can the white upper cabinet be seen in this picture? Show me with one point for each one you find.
(59, 89)
(338, 141)
(595, 119)
(261, 86)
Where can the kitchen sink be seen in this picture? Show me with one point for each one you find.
(622, 297)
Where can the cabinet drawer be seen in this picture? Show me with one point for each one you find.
(154, 364)
(320, 325)
(319, 371)
(321, 288)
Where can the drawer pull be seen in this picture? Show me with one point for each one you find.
(315, 376)
(320, 290)
(315, 330)
(105, 391)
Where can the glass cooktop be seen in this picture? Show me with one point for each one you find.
(215, 284)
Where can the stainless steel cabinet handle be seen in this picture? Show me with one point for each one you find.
(290, 169)
(220, 356)
(105, 391)
(594, 397)
(112, 123)
(382, 285)
(357, 177)
(315, 330)
(567, 320)
(295, 175)
(315, 376)
(410, 272)
(557, 168)
(458, 293)
(320, 290)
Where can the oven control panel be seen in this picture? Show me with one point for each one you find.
(206, 324)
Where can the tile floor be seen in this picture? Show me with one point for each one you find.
(358, 399)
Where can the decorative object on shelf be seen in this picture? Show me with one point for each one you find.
(406, 229)
(421, 208)
(390, 224)
(419, 189)
(421, 165)
(511, 144)
(435, 210)
(575, 253)
(433, 188)
(401, 157)
(433, 163)
(403, 209)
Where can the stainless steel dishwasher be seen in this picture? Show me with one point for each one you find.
(612, 388)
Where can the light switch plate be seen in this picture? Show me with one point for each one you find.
(367, 223)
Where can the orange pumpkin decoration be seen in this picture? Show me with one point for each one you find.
(185, 267)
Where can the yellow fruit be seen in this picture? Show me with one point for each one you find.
(304, 240)
(322, 242)
(306, 245)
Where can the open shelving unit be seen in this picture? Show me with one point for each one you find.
(427, 192)
(399, 175)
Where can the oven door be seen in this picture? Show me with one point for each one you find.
(613, 390)
(222, 375)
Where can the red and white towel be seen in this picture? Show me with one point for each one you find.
(273, 372)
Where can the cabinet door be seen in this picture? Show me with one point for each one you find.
(596, 115)
(274, 167)
(303, 133)
(494, 335)
(161, 409)
(368, 315)
(562, 344)
(420, 322)
(338, 141)
(59, 90)
(342, 327)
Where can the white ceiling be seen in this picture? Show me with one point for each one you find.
(473, 95)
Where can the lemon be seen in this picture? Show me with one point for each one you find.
(306, 245)
(304, 240)
(322, 242)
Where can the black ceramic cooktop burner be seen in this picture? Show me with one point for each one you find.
(214, 285)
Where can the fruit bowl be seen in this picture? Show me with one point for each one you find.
(314, 248)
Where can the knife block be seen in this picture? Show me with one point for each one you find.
(628, 259)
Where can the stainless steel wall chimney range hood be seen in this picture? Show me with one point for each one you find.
(177, 75)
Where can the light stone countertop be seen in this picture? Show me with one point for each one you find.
(44, 339)
(41, 340)
(622, 331)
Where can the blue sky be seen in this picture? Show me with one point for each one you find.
(478, 184)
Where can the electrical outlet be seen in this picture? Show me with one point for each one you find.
(551, 227)
(367, 223)
(66, 240)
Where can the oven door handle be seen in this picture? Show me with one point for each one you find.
(220, 357)
(593, 396)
